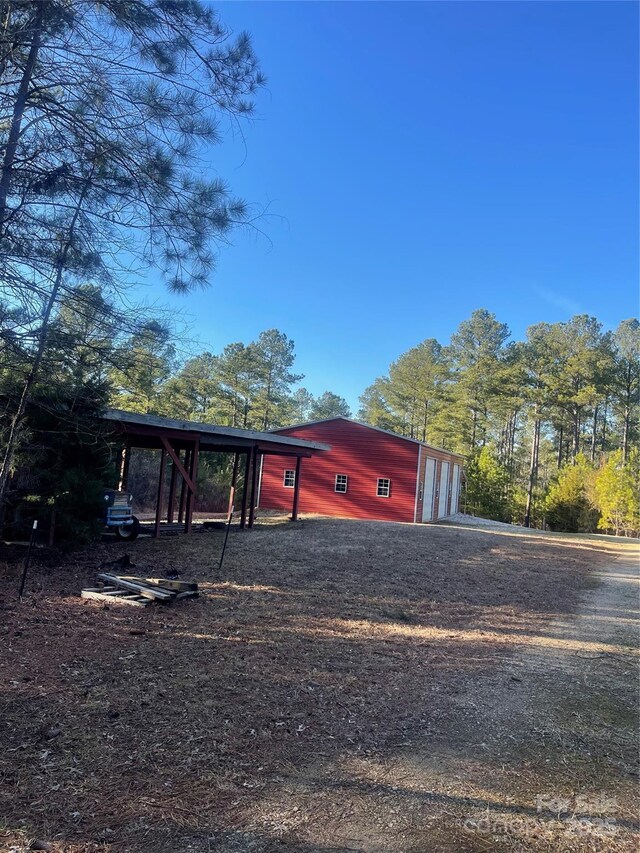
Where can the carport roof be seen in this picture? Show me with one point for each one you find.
(148, 428)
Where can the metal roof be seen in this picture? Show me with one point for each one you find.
(368, 426)
(226, 434)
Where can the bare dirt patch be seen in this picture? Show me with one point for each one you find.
(343, 686)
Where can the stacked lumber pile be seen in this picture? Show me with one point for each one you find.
(139, 592)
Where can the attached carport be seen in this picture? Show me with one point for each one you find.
(180, 444)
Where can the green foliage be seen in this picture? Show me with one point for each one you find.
(446, 395)
(237, 373)
(518, 503)
(82, 335)
(375, 408)
(63, 459)
(487, 486)
(617, 491)
(247, 385)
(108, 113)
(579, 384)
(193, 392)
(570, 504)
(299, 406)
(78, 501)
(274, 358)
(214, 482)
(123, 141)
(329, 405)
(416, 384)
(476, 353)
(64, 462)
(625, 381)
(145, 363)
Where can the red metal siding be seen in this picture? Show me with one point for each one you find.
(364, 455)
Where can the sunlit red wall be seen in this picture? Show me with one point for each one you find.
(364, 455)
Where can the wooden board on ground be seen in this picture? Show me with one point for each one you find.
(117, 596)
(127, 589)
(165, 583)
(148, 590)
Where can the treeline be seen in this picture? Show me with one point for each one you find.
(101, 353)
(251, 386)
(549, 425)
(132, 362)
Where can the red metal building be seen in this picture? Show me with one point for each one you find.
(368, 473)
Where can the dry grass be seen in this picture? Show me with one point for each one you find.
(344, 686)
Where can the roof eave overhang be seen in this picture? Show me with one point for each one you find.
(150, 429)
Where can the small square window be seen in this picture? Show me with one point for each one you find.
(384, 487)
(341, 483)
(289, 479)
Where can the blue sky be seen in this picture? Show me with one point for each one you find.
(421, 160)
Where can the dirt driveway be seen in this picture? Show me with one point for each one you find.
(344, 686)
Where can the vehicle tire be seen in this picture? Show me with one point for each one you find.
(129, 532)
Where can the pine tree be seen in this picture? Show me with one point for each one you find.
(274, 359)
(299, 406)
(375, 408)
(194, 393)
(329, 405)
(536, 403)
(476, 350)
(107, 107)
(578, 356)
(626, 381)
(237, 371)
(416, 383)
(145, 362)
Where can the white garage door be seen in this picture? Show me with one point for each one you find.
(455, 489)
(429, 489)
(443, 490)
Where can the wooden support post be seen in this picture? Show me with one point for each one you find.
(296, 490)
(172, 491)
(175, 458)
(183, 488)
(186, 476)
(245, 491)
(232, 491)
(123, 467)
(191, 494)
(163, 465)
(254, 486)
